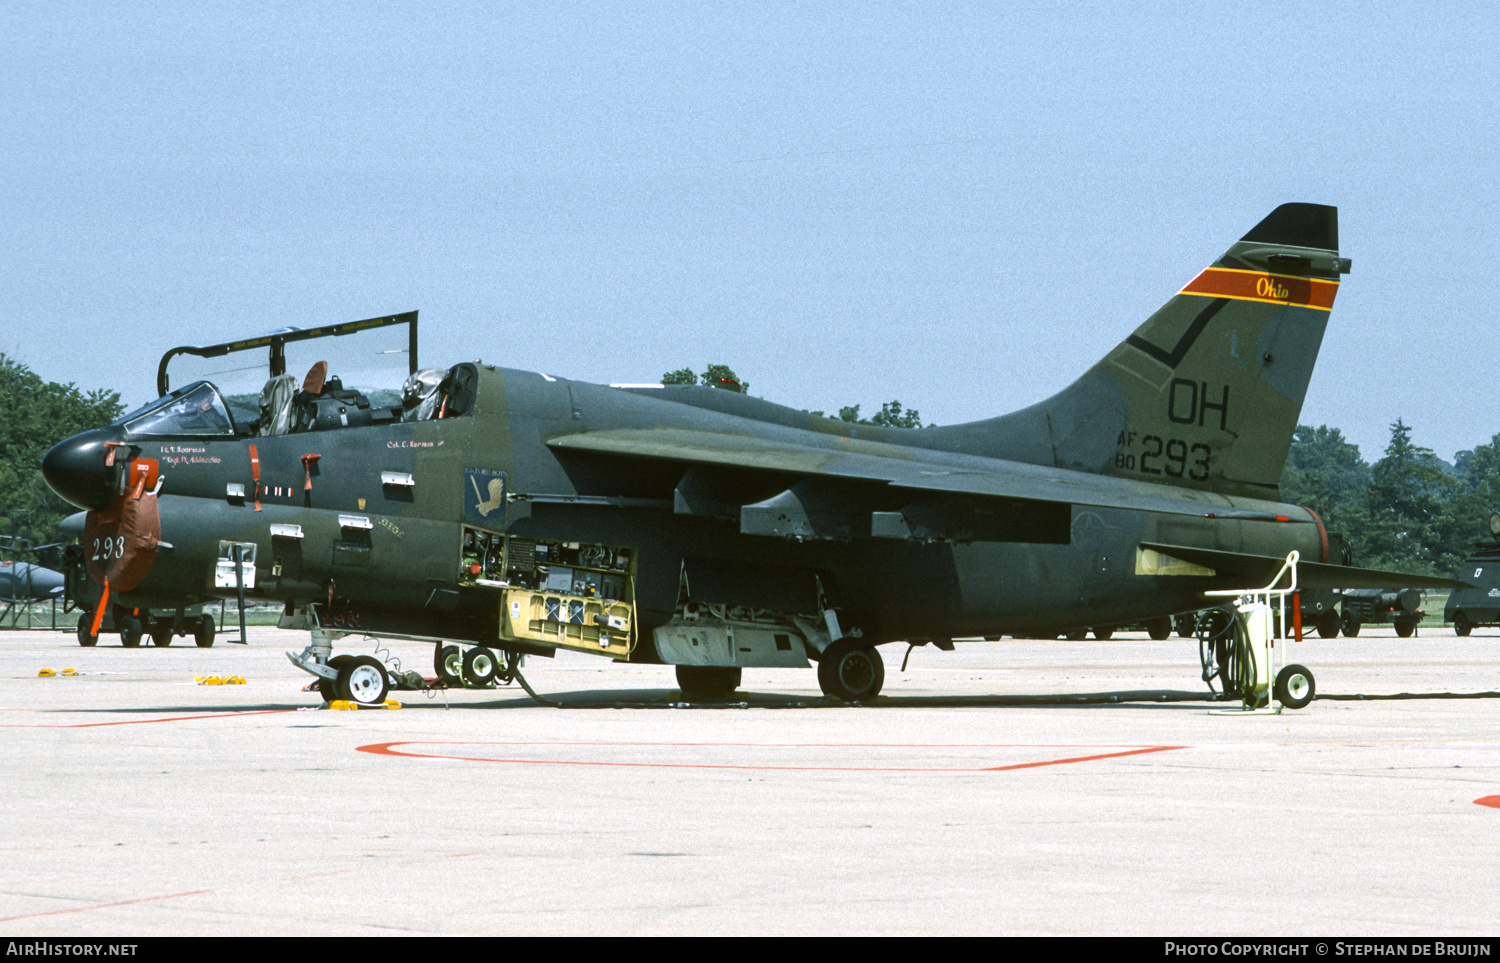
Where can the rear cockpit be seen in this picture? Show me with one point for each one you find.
(358, 374)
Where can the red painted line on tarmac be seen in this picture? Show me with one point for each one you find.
(388, 749)
(1107, 755)
(1492, 801)
(95, 906)
(139, 722)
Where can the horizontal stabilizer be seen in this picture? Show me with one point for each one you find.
(1255, 571)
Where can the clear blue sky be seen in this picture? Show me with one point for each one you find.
(960, 206)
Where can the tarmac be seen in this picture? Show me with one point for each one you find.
(1011, 787)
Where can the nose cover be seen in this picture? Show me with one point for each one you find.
(122, 539)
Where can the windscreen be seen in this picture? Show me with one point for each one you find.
(374, 363)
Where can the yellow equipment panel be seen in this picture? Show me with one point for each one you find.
(598, 625)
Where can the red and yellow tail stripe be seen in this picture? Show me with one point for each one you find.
(1260, 286)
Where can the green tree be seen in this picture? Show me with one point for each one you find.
(1405, 504)
(1325, 472)
(37, 415)
(717, 376)
(891, 415)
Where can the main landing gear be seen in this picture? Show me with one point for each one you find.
(851, 671)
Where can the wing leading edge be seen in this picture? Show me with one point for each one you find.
(925, 488)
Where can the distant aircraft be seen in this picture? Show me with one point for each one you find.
(24, 582)
(512, 512)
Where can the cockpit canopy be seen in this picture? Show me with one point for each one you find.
(197, 411)
(358, 373)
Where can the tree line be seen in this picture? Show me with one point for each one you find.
(34, 416)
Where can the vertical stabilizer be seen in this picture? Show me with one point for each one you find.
(1207, 393)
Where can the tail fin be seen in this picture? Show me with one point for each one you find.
(1206, 394)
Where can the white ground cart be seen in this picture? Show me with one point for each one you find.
(1253, 651)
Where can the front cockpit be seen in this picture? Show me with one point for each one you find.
(359, 374)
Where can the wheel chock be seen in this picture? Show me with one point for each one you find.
(235, 680)
(347, 705)
(46, 673)
(208, 680)
(68, 672)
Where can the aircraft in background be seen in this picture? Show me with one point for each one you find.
(499, 512)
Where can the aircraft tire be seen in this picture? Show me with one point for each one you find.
(1405, 629)
(707, 681)
(86, 637)
(447, 664)
(363, 680)
(1295, 687)
(203, 632)
(1461, 625)
(1350, 625)
(480, 667)
(328, 688)
(1159, 629)
(130, 631)
(851, 671)
(1328, 625)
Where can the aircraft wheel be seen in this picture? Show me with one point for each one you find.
(130, 631)
(480, 667)
(362, 679)
(1295, 687)
(161, 634)
(1159, 629)
(1461, 625)
(1103, 632)
(87, 638)
(707, 681)
(851, 671)
(1406, 630)
(203, 632)
(448, 664)
(328, 688)
(1328, 625)
(1351, 624)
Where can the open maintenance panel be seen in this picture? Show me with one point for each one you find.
(566, 594)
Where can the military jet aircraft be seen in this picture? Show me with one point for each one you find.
(25, 582)
(498, 512)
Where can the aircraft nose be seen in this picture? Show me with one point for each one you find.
(75, 469)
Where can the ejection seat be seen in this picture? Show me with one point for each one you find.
(276, 405)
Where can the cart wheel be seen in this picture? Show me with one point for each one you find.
(1295, 687)
(1351, 624)
(1406, 630)
(1461, 624)
(1159, 629)
(130, 632)
(161, 633)
(1103, 632)
(86, 636)
(1328, 625)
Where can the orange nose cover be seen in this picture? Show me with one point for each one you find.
(121, 541)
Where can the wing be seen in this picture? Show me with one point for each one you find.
(898, 492)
